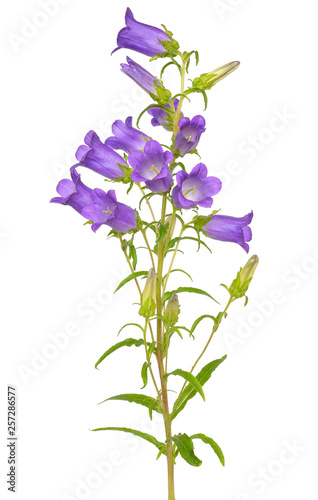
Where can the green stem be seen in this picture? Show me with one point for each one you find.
(149, 362)
(215, 328)
(149, 249)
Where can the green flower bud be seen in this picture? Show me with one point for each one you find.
(241, 283)
(148, 298)
(172, 311)
(207, 80)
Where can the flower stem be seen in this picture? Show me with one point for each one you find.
(148, 246)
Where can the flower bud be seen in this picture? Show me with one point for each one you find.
(207, 80)
(241, 283)
(148, 298)
(172, 311)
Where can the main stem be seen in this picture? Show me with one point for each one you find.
(163, 380)
(161, 255)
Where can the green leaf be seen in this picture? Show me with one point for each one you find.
(163, 228)
(130, 324)
(198, 320)
(124, 343)
(148, 195)
(189, 378)
(143, 435)
(144, 374)
(189, 290)
(140, 399)
(201, 91)
(179, 238)
(186, 449)
(169, 64)
(189, 391)
(215, 447)
(133, 255)
(129, 278)
(179, 270)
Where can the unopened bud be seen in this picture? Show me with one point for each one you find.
(207, 80)
(172, 311)
(148, 297)
(241, 283)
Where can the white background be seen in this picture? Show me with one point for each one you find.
(61, 82)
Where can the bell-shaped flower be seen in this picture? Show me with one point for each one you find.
(73, 192)
(189, 134)
(126, 137)
(195, 188)
(226, 228)
(152, 167)
(161, 117)
(141, 37)
(146, 81)
(105, 209)
(100, 158)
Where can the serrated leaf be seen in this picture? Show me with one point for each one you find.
(144, 374)
(143, 435)
(124, 343)
(129, 278)
(189, 378)
(189, 391)
(215, 447)
(186, 449)
(140, 399)
(189, 290)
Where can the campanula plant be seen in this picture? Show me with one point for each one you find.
(138, 160)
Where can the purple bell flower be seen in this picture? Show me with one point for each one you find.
(189, 134)
(140, 75)
(234, 229)
(73, 192)
(100, 158)
(126, 137)
(152, 167)
(159, 116)
(141, 37)
(195, 188)
(105, 209)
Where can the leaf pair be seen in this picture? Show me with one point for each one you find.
(185, 447)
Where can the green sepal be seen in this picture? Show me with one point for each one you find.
(215, 447)
(162, 95)
(186, 449)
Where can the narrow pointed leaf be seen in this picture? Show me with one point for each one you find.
(215, 447)
(129, 278)
(130, 324)
(144, 374)
(140, 399)
(143, 435)
(198, 320)
(124, 343)
(189, 391)
(189, 378)
(189, 290)
(179, 238)
(179, 270)
(186, 449)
